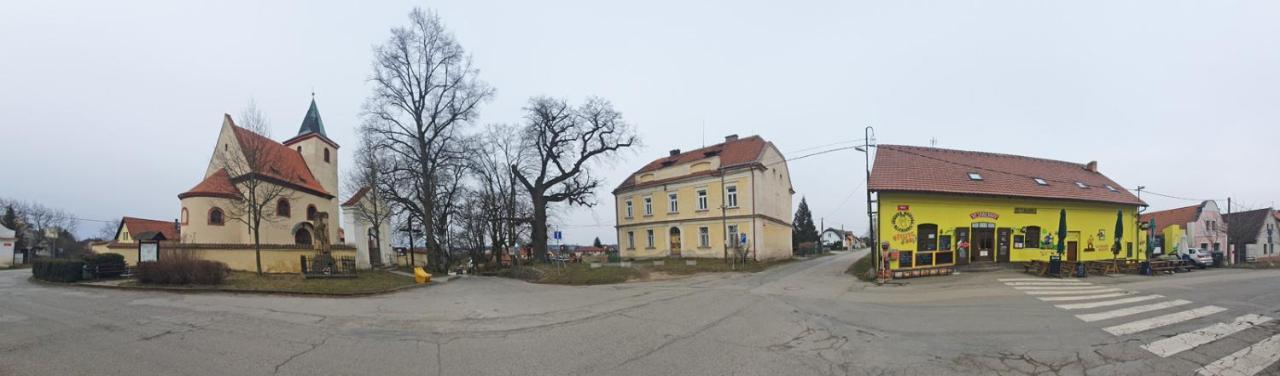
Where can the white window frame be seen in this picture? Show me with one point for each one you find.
(702, 199)
(673, 202)
(631, 240)
(731, 196)
(649, 233)
(630, 208)
(732, 235)
(975, 176)
(648, 206)
(704, 237)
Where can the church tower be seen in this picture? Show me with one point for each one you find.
(320, 153)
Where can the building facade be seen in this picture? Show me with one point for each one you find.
(8, 240)
(373, 245)
(1254, 234)
(940, 208)
(704, 203)
(1198, 226)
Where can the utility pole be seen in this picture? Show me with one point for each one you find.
(871, 218)
(1230, 250)
(822, 229)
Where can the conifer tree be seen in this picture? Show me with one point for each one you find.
(803, 229)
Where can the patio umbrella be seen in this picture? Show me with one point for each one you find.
(1115, 249)
(1062, 232)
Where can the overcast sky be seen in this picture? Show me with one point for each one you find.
(112, 108)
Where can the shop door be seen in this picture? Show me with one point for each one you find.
(1073, 247)
(962, 247)
(1002, 244)
(983, 244)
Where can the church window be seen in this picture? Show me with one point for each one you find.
(299, 149)
(184, 216)
(311, 212)
(215, 217)
(282, 207)
(326, 155)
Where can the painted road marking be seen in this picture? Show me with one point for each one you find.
(1036, 280)
(1190, 340)
(1083, 297)
(1091, 317)
(1048, 283)
(1109, 302)
(1246, 362)
(1098, 290)
(1162, 320)
(1056, 287)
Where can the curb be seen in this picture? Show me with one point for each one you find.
(184, 290)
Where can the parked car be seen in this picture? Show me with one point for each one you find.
(1200, 257)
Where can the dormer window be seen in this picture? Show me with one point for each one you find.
(711, 153)
(1041, 181)
(1082, 185)
(1110, 188)
(975, 176)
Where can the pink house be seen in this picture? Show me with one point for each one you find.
(1202, 225)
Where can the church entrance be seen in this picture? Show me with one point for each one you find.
(302, 236)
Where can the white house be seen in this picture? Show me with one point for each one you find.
(373, 247)
(7, 239)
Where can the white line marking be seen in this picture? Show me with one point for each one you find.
(1036, 280)
(1246, 362)
(1109, 302)
(1083, 297)
(1057, 287)
(1069, 292)
(1190, 340)
(1048, 283)
(1091, 317)
(1162, 320)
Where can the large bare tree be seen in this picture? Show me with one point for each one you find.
(424, 90)
(562, 142)
(250, 169)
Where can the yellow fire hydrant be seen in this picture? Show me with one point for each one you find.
(421, 275)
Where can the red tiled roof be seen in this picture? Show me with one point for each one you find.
(288, 164)
(138, 226)
(216, 185)
(356, 197)
(922, 169)
(1180, 217)
(743, 151)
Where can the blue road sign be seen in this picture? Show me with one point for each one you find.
(742, 239)
(557, 235)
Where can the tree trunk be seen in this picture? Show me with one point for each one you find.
(257, 249)
(539, 226)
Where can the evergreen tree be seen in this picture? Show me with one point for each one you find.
(597, 243)
(803, 229)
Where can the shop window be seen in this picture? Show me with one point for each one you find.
(1033, 236)
(905, 259)
(927, 237)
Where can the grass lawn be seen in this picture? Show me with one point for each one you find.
(862, 268)
(583, 274)
(367, 282)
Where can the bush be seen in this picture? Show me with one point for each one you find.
(862, 268)
(180, 268)
(55, 270)
(105, 260)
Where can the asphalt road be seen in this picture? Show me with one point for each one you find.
(804, 318)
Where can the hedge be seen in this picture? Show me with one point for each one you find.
(105, 260)
(58, 270)
(181, 269)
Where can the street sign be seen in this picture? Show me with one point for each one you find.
(742, 239)
(557, 235)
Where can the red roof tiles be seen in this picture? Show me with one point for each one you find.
(1180, 217)
(735, 153)
(356, 197)
(138, 226)
(922, 169)
(216, 185)
(287, 164)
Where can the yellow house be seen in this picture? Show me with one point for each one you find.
(939, 208)
(706, 202)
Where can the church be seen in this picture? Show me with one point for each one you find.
(301, 176)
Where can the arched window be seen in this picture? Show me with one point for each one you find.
(311, 212)
(326, 155)
(282, 207)
(302, 236)
(215, 217)
(185, 216)
(1032, 237)
(927, 237)
(299, 149)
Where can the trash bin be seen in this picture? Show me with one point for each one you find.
(1055, 265)
(1144, 268)
(1080, 271)
(1217, 259)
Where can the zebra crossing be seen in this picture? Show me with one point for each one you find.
(1092, 303)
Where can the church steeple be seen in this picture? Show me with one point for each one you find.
(312, 123)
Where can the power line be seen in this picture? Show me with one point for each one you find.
(1182, 198)
(825, 145)
(813, 154)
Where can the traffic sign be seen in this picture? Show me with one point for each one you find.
(558, 235)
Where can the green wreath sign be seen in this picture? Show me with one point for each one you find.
(903, 221)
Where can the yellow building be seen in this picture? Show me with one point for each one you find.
(939, 208)
(704, 202)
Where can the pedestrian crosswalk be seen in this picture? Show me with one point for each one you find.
(1148, 313)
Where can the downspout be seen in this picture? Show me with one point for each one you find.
(753, 215)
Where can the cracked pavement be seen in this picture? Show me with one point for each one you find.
(803, 318)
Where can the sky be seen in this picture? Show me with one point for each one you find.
(112, 108)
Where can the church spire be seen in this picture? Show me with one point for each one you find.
(312, 123)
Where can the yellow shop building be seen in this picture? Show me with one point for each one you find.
(941, 208)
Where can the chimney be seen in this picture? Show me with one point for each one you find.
(1092, 166)
(675, 152)
(732, 137)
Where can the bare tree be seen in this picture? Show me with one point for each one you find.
(497, 189)
(561, 141)
(251, 168)
(372, 209)
(424, 89)
(108, 230)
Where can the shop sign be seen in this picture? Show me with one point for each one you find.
(8, 244)
(904, 221)
(984, 214)
(904, 207)
(1024, 210)
(905, 237)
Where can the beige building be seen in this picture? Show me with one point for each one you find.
(703, 202)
